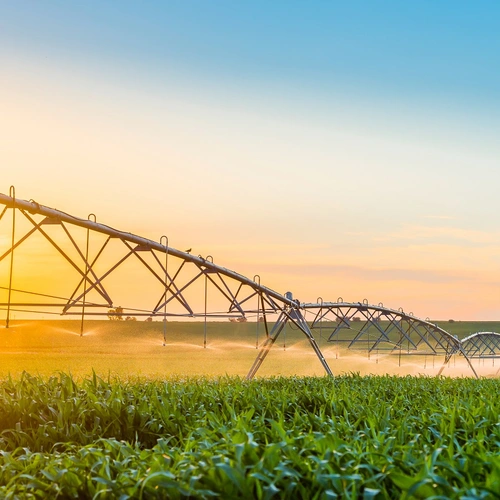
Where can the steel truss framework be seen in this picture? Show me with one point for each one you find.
(176, 274)
(377, 328)
(482, 345)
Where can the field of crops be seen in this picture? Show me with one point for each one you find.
(308, 437)
(115, 414)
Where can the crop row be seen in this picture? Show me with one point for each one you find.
(347, 436)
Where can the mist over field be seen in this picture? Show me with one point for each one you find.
(129, 348)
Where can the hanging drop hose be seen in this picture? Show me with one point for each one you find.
(12, 194)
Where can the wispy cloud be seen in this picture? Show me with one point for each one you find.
(335, 271)
(441, 234)
(441, 217)
(270, 248)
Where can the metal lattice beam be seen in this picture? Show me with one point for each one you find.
(375, 327)
(176, 276)
(177, 273)
(482, 345)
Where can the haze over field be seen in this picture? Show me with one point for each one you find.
(129, 349)
(334, 148)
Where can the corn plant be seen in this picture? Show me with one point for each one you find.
(343, 437)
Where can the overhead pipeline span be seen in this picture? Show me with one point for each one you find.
(417, 332)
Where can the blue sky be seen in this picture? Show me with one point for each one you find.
(355, 136)
(434, 50)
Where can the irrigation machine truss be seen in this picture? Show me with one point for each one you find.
(180, 276)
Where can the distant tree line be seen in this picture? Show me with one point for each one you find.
(116, 314)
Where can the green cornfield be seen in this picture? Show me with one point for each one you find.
(296, 437)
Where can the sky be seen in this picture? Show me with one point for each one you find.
(337, 149)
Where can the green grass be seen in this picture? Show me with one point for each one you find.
(115, 414)
(347, 437)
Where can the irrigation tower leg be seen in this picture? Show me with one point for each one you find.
(443, 366)
(295, 317)
(12, 193)
(266, 346)
(447, 360)
(468, 361)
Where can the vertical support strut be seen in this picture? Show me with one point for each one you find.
(468, 360)
(319, 300)
(284, 338)
(86, 274)
(266, 347)
(446, 359)
(258, 312)
(450, 354)
(12, 194)
(205, 315)
(296, 317)
(166, 289)
(210, 259)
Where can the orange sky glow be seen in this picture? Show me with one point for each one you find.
(323, 179)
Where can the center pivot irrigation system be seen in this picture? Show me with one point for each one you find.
(95, 255)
